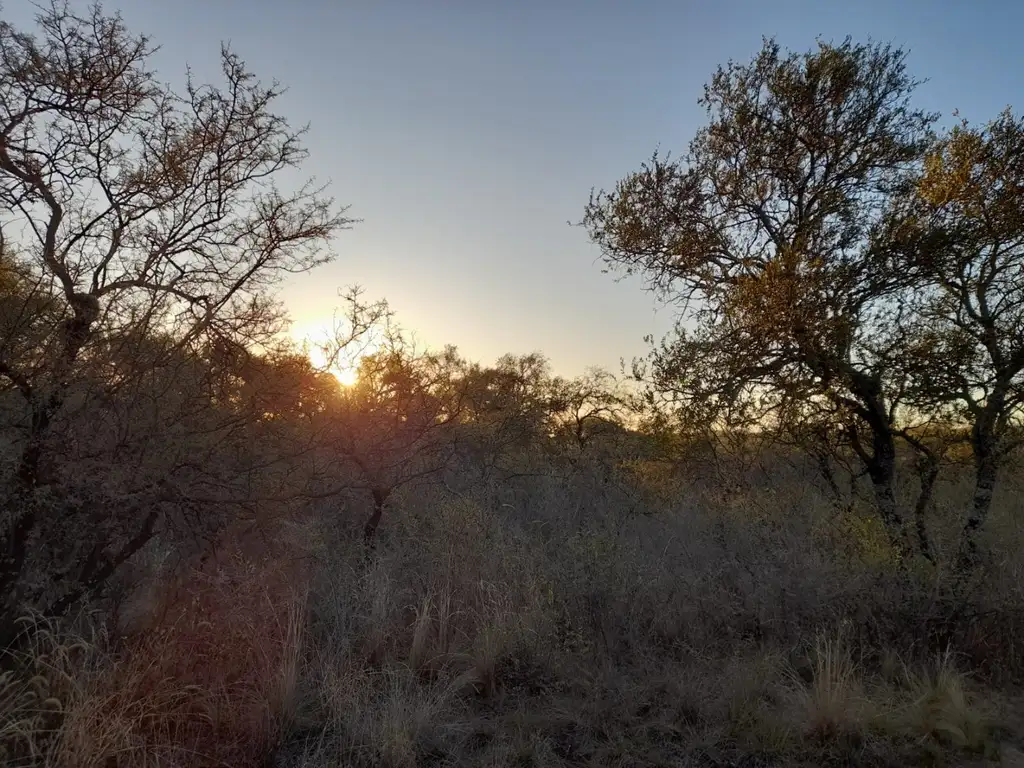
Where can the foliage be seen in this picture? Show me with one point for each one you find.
(844, 278)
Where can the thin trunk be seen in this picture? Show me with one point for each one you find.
(823, 460)
(986, 470)
(380, 496)
(100, 568)
(928, 473)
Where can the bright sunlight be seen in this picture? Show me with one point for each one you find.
(314, 337)
(346, 376)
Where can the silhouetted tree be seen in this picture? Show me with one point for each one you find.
(585, 408)
(507, 407)
(766, 235)
(396, 424)
(131, 208)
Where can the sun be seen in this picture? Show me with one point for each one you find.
(347, 377)
(346, 374)
(313, 338)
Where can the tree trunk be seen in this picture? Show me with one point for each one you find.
(986, 470)
(823, 460)
(880, 461)
(15, 537)
(986, 447)
(882, 471)
(928, 473)
(101, 567)
(885, 502)
(380, 496)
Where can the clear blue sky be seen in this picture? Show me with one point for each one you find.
(466, 133)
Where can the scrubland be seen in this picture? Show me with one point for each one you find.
(626, 618)
(789, 536)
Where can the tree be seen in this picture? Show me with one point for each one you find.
(507, 407)
(587, 406)
(396, 424)
(767, 236)
(963, 226)
(134, 208)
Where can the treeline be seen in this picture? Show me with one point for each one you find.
(162, 442)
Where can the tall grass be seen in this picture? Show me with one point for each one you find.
(556, 622)
(212, 683)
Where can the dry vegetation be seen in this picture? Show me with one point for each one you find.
(554, 622)
(795, 542)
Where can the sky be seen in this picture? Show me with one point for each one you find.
(467, 134)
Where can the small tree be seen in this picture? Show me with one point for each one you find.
(588, 406)
(395, 425)
(134, 208)
(766, 237)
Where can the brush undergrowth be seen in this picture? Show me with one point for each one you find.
(485, 632)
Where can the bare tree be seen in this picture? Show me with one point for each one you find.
(135, 208)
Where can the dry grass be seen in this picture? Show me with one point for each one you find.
(833, 703)
(943, 713)
(701, 632)
(212, 684)
(38, 686)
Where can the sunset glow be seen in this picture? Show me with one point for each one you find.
(313, 338)
(347, 377)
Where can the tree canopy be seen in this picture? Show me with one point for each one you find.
(765, 234)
